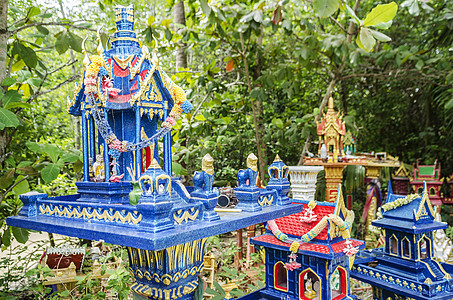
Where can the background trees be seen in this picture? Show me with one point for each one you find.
(257, 72)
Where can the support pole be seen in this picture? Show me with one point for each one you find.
(86, 167)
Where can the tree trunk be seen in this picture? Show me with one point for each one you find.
(333, 81)
(180, 18)
(4, 72)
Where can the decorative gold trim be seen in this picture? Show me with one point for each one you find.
(168, 178)
(267, 200)
(270, 174)
(207, 164)
(429, 268)
(252, 162)
(391, 245)
(302, 283)
(186, 216)
(125, 39)
(402, 248)
(76, 212)
(123, 63)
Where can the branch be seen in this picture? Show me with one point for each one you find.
(35, 95)
(11, 187)
(199, 106)
(69, 63)
(50, 24)
(339, 25)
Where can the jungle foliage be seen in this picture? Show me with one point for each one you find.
(258, 73)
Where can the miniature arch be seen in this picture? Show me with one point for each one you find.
(406, 250)
(280, 277)
(307, 286)
(427, 247)
(432, 191)
(273, 172)
(393, 245)
(342, 289)
(285, 171)
(164, 181)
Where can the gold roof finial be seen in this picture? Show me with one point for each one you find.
(86, 59)
(330, 105)
(277, 158)
(207, 164)
(252, 162)
(154, 165)
(100, 48)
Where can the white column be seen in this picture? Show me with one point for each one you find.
(303, 181)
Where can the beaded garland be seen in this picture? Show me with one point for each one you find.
(95, 74)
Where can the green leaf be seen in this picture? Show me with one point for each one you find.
(324, 8)
(50, 172)
(33, 11)
(35, 147)
(351, 12)
(380, 14)
(9, 81)
(20, 234)
(42, 29)
(7, 179)
(449, 105)
(62, 45)
(53, 151)
(8, 119)
(385, 25)
(205, 7)
(277, 122)
(168, 35)
(28, 55)
(379, 36)
(178, 169)
(11, 96)
(6, 237)
(365, 39)
(22, 187)
(75, 42)
(69, 157)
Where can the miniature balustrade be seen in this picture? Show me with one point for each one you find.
(303, 181)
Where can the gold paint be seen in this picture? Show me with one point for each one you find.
(277, 158)
(270, 173)
(154, 105)
(123, 63)
(186, 216)
(252, 162)
(164, 177)
(429, 268)
(130, 217)
(266, 201)
(207, 164)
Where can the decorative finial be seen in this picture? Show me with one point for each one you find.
(86, 59)
(100, 48)
(154, 165)
(207, 164)
(252, 162)
(330, 101)
(277, 158)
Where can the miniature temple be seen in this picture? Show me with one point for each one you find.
(330, 130)
(431, 175)
(400, 180)
(128, 105)
(405, 268)
(308, 255)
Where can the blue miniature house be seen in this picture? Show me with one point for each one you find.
(405, 268)
(320, 269)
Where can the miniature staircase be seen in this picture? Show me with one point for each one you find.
(437, 272)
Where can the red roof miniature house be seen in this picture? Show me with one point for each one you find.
(400, 180)
(316, 242)
(431, 175)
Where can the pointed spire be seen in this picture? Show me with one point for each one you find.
(425, 188)
(277, 158)
(154, 165)
(330, 105)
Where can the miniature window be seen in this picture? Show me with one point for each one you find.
(432, 191)
(280, 277)
(424, 248)
(420, 190)
(405, 246)
(309, 285)
(285, 172)
(394, 245)
(338, 283)
(275, 173)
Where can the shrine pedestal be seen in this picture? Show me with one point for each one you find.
(303, 181)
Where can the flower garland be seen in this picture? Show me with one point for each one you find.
(395, 204)
(96, 74)
(343, 225)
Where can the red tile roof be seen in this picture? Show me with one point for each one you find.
(313, 247)
(294, 226)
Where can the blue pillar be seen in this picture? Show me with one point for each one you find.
(106, 152)
(167, 148)
(138, 159)
(86, 167)
(92, 140)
